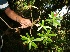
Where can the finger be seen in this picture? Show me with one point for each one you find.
(26, 23)
(29, 23)
(24, 26)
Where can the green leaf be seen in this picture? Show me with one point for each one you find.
(34, 45)
(52, 34)
(31, 38)
(44, 27)
(29, 45)
(54, 23)
(40, 34)
(37, 39)
(26, 42)
(44, 41)
(59, 49)
(39, 28)
(25, 4)
(48, 27)
(50, 20)
(52, 14)
(40, 24)
(24, 38)
(42, 38)
(43, 22)
(58, 23)
(48, 39)
(32, 2)
(48, 31)
(27, 35)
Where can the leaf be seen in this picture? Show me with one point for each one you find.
(34, 45)
(48, 27)
(44, 41)
(27, 35)
(48, 31)
(26, 42)
(37, 39)
(29, 45)
(39, 28)
(31, 38)
(50, 20)
(48, 39)
(44, 28)
(58, 22)
(40, 34)
(55, 24)
(38, 24)
(42, 38)
(25, 4)
(52, 14)
(43, 22)
(52, 34)
(24, 38)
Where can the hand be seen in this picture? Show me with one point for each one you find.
(25, 23)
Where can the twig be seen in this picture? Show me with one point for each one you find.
(32, 22)
(9, 25)
(6, 23)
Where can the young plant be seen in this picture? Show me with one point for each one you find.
(30, 41)
(54, 19)
(46, 36)
(43, 26)
(46, 33)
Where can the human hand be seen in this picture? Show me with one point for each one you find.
(25, 23)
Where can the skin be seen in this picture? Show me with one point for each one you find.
(24, 22)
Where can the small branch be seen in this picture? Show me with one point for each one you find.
(6, 23)
(32, 22)
(9, 25)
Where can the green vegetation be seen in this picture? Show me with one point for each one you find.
(48, 32)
